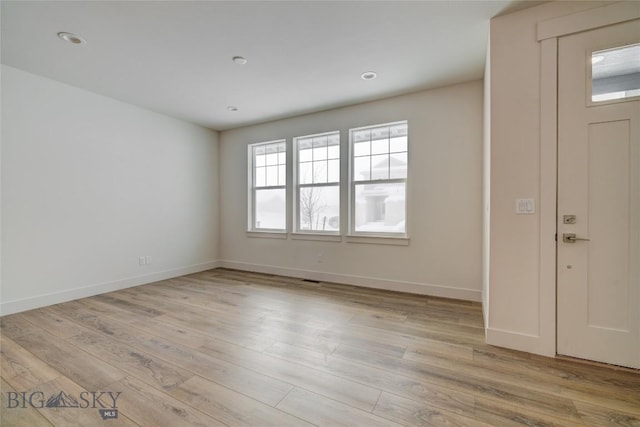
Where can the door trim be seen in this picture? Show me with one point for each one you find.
(548, 33)
(589, 19)
(548, 189)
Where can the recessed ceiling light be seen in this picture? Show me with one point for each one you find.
(369, 75)
(239, 60)
(596, 59)
(232, 108)
(71, 38)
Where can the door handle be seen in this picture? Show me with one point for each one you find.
(572, 238)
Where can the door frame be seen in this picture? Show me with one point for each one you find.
(548, 33)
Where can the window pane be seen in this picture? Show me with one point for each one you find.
(320, 148)
(272, 175)
(398, 144)
(334, 171)
(261, 179)
(306, 173)
(270, 209)
(319, 172)
(305, 155)
(380, 133)
(379, 146)
(361, 170)
(320, 141)
(380, 167)
(304, 150)
(398, 130)
(398, 166)
(319, 208)
(272, 159)
(320, 153)
(333, 152)
(304, 144)
(361, 149)
(380, 208)
(362, 135)
(615, 73)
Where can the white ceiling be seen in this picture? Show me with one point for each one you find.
(303, 56)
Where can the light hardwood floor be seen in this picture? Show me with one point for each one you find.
(224, 347)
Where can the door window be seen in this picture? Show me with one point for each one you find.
(615, 73)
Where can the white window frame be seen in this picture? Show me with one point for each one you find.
(297, 185)
(354, 236)
(251, 177)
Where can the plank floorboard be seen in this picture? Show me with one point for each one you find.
(259, 386)
(411, 413)
(226, 347)
(13, 415)
(504, 388)
(50, 321)
(137, 363)
(70, 416)
(23, 369)
(344, 390)
(322, 411)
(233, 408)
(149, 406)
(77, 364)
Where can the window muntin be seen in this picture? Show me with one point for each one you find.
(615, 73)
(318, 183)
(268, 184)
(379, 160)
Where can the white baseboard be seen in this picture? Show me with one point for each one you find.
(485, 313)
(367, 282)
(16, 306)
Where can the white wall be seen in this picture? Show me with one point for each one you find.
(445, 191)
(520, 292)
(89, 184)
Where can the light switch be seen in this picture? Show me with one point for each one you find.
(525, 206)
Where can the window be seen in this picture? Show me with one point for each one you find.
(268, 185)
(318, 183)
(379, 179)
(615, 73)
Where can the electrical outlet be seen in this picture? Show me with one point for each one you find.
(142, 260)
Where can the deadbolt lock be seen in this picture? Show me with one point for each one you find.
(569, 219)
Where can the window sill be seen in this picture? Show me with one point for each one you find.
(378, 240)
(267, 234)
(317, 236)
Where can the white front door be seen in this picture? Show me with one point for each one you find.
(599, 195)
